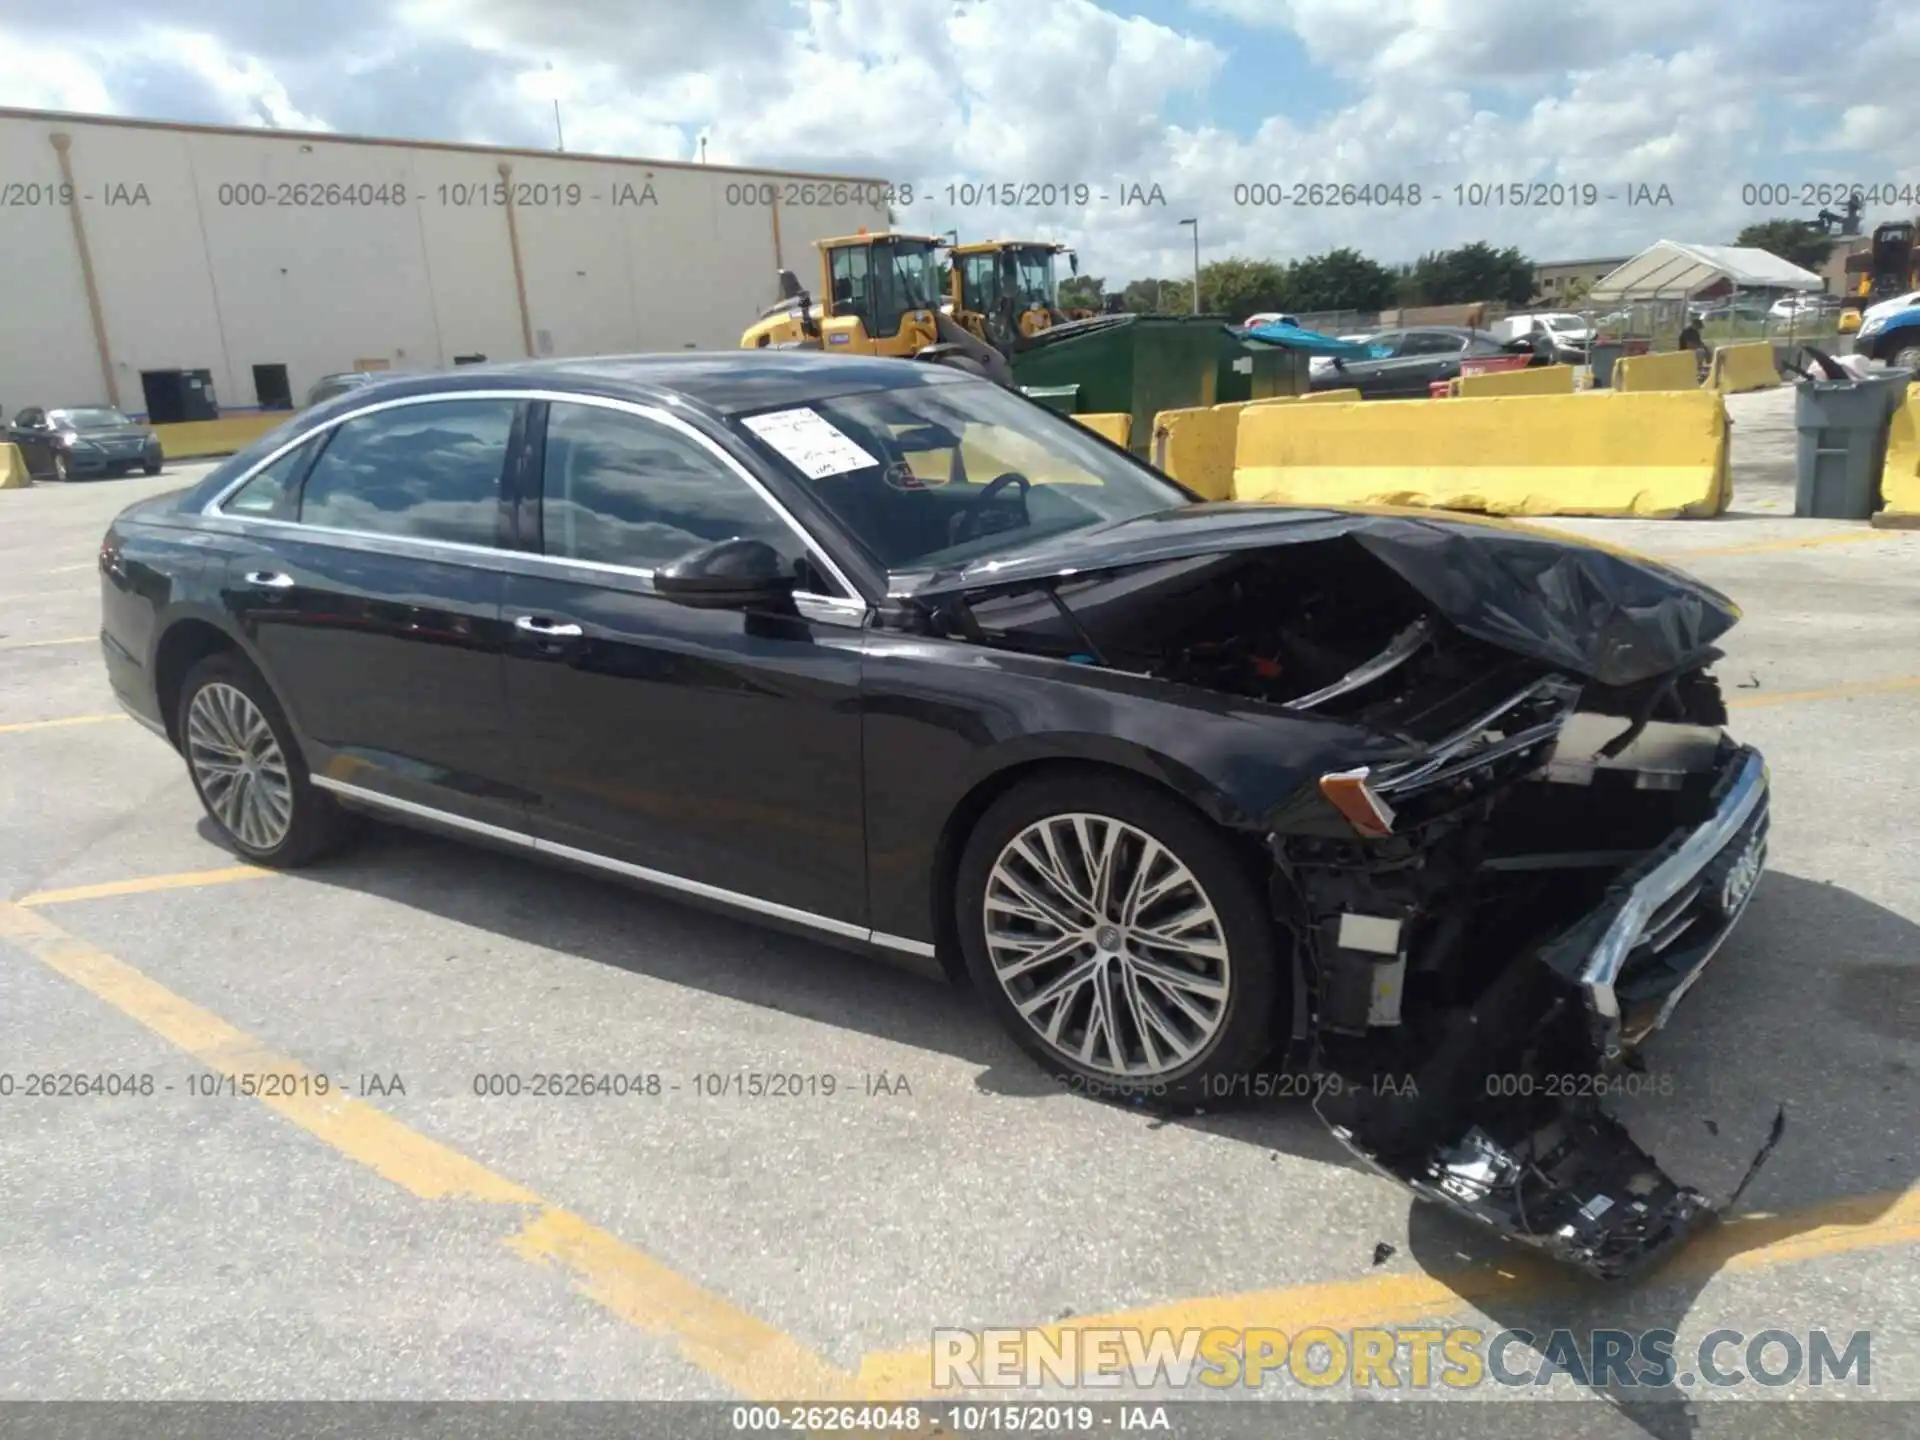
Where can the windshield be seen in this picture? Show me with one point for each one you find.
(905, 277)
(909, 471)
(1033, 278)
(91, 417)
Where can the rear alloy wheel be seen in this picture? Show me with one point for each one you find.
(247, 767)
(1120, 940)
(62, 470)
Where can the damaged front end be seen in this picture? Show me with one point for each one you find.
(1480, 976)
(1508, 914)
(1487, 924)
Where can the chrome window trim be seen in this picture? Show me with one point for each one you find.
(824, 923)
(213, 508)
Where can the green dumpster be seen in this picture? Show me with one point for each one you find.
(1064, 399)
(1133, 364)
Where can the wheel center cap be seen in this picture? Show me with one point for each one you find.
(1107, 937)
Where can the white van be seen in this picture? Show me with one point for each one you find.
(1567, 330)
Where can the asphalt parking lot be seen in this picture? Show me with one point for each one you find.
(405, 1237)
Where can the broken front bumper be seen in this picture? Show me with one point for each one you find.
(1509, 1142)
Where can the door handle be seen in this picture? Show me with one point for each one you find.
(271, 579)
(546, 629)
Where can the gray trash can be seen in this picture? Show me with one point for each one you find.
(1843, 443)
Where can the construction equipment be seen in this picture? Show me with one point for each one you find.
(1005, 292)
(880, 296)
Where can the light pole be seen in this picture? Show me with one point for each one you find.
(1195, 223)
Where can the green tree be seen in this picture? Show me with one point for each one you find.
(1467, 274)
(1799, 242)
(1342, 279)
(1156, 297)
(1238, 288)
(1082, 291)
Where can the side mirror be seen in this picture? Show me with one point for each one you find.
(737, 574)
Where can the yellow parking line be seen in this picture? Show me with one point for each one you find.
(1831, 692)
(1848, 537)
(146, 884)
(19, 726)
(43, 644)
(1752, 1242)
(753, 1358)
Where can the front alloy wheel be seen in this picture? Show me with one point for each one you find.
(1107, 945)
(239, 766)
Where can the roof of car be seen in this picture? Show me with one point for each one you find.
(724, 381)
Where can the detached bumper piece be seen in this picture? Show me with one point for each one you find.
(1504, 1118)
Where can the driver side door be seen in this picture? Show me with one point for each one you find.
(712, 751)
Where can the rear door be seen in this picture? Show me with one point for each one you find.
(365, 576)
(1371, 376)
(1424, 357)
(708, 750)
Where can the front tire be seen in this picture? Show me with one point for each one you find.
(150, 467)
(247, 768)
(1907, 359)
(1120, 940)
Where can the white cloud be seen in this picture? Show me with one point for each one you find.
(1695, 95)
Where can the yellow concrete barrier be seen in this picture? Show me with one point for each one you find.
(1114, 425)
(1337, 397)
(1675, 370)
(1533, 380)
(1746, 366)
(196, 439)
(1655, 456)
(13, 469)
(1900, 481)
(1196, 447)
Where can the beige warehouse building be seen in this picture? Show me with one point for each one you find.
(269, 258)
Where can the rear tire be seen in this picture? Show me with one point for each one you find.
(247, 767)
(1907, 359)
(1161, 985)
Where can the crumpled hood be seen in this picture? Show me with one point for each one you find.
(1581, 607)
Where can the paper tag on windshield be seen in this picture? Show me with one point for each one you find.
(811, 442)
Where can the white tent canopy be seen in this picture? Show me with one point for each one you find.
(1673, 271)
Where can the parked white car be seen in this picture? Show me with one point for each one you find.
(1568, 331)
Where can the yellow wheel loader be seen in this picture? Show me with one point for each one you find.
(1004, 291)
(880, 295)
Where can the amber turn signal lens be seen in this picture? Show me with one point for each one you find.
(1349, 793)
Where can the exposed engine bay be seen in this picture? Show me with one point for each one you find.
(1484, 930)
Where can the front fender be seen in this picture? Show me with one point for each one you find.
(943, 718)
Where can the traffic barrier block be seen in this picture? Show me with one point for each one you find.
(1196, 446)
(1533, 380)
(198, 439)
(1336, 397)
(13, 469)
(1900, 480)
(1746, 366)
(1654, 456)
(1116, 425)
(1674, 370)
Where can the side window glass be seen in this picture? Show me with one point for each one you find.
(270, 494)
(619, 489)
(429, 470)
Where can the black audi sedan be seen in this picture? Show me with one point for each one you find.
(1200, 798)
